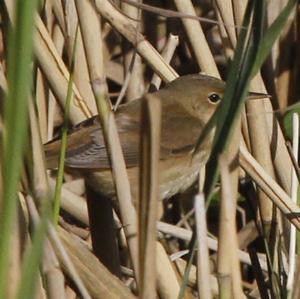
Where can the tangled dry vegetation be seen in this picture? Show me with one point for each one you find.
(246, 243)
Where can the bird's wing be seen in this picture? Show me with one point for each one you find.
(86, 147)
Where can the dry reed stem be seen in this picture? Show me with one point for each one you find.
(167, 281)
(42, 89)
(70, 293)
(181, 264)
(194, 30)
(41, 105)
(66, 262)
(203, 267)
(294, 195)
(40, 182)
(260, 147)
(90, 270)
(132, 61)
(148, 194)
(50, 266)
(226, 13)
(167, 54)
(100, 212)
(20, 238)
(57, 74)
(76, 186)
(256, 125)
(239, 8)
(285, 58)
(186, 235)
(268, 149)
(58, 40)
(229, 273)
(93, 47)
(296, 287)
(282, 201)
(124, 26)
(54, 278)
(80, 72)
(57, 82)
(59, 14)
(227, 45)
(48, 16)
(40, 292)
(260, 126)
(114, 72)
(280, 156)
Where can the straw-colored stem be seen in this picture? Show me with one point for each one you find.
(149, 194)
(197, 38)
(80, 72)
(66, 262)
(167, 54)
(228, 264)
(58, 41)
(124, 26)
(132, 61)
(90, 270)
(91, 33)
(203, 267)
(186, 235)
(54, 278)
(167, 282)
(260, 148)
(226, 13)
(278, 196)
(294, 189)
(57, 74)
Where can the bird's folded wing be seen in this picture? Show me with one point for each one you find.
(86, 147)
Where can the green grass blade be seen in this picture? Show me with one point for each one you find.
(62, 153)
(235, 93)
(272, 34)
(20, 47)
(236, 87)
(249, 56)
(287, 119)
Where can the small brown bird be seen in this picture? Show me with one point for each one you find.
(187, 104)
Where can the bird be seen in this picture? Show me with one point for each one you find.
(187, 104)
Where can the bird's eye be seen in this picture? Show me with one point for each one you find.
(214, 98)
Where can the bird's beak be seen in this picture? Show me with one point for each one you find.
(257, 96)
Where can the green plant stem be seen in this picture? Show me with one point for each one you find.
(20, 48)
(62, 154)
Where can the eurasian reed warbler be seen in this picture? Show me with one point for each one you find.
(187, 104)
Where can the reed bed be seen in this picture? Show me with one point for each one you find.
(234, 234)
